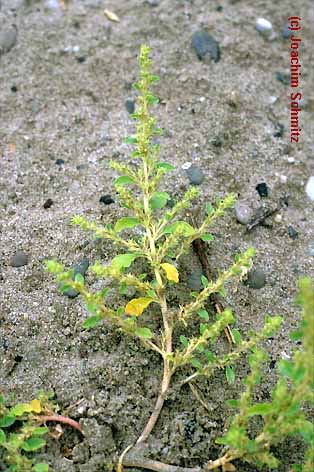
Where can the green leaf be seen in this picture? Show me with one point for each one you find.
(130, 140)
(236, 336)
(209, 356)
(203, 328)
(92, 321)
(40, 467)
(126, 222)
(165, 166)
(158, 200)
(230, 375)
(32, 444)
(151, 293)
(7, 421)
(144, 333)
(2, 437)
(196, 363)
(154, 78)
(209, 208)
(123, 289)
(123, 180)
(40, 431)
(123, 260)
(151, 99)
(91, 307)
(233, 403)
(120, 311)
(186, 229)
(204, 281)
(79, 278)
(184, 341)
(207, 237)
(260, 409)
(203, 314)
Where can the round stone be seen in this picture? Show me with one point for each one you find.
(19, 259)
(195, 175)
(244, 213)
(264, 26)
(309, 188)
(130, 106)
(194, 281)
(256, 279)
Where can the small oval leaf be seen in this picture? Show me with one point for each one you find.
(171, 272)
(137, 306)
(126, 222)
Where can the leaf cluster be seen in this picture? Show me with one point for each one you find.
(21, 435)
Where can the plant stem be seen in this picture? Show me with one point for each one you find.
(61, 419)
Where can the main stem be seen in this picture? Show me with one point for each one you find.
(167, 323)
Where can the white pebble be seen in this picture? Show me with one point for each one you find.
(263, 26)
(186, 165)
(283, 179)
(278, 218)
(309, 188)
(202, 99)
(291, 160)
(273, 99)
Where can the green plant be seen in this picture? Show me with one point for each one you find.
(160, 240)
(27, 435)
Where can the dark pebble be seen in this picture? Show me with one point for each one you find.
(106, 199)
(153, 3)
(14, 88)
(256, 279)
(130, 106)
(80, 59)
(59, 162)
(262, 189)
(194, 281)
(19, 259)
(292, 232)
(48, 203)
(286, 32)
(79, 268)
(279, 131)
(195, 175)
(283, 78)
(205, 46)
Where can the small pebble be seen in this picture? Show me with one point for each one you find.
(205, 46)
(48, 203)
(8, 39)
(194, 281)
(79, 268)
(19, 259)
(283, 179)
(292, 232)
(153, 3)
(106, 199)
(262, 189)
(291, 160)
(14, 88)
(186, 165)
(278, 218)
(130, 106)
(59, 162)
(264, 26)
(195, 175)
(282, 77)
(286, 31)
(309, 188)
(244, 213)
(273, 99)
(256, 279)
(80, 59)
(279, 131)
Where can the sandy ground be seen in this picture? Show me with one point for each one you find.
(63, 89)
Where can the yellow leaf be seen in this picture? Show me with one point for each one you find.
(36, 406)
(111, 16)
(171, 272)
(137, 306)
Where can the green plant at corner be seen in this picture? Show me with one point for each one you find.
(284, 415)
(27, 437)
(161, 237)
